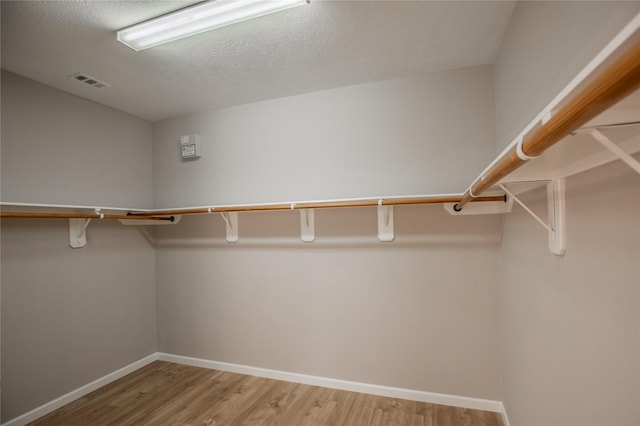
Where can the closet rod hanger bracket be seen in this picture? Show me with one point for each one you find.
(386, 231)
(78, 232)
(307, 225)
(521, 154)
(78, 229)
(231, 224)
(555, 211)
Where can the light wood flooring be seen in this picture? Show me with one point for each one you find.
(164, 393)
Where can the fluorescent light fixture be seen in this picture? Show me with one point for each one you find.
(198, 19)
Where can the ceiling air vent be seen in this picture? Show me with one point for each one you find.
(91, 81)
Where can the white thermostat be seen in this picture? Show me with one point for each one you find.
(190, 146)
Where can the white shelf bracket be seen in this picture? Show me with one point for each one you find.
(556, 213)
(385, 223)
(307, 225)
(556, 209)
(615, 149)
(231, 221)
(524, 206)
(78, 232)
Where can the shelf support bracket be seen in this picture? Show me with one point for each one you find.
(556, 213)
(385, 223)
(527, 209)
(556, 209)
(231, 221)
(615, 149)
(78, 232)
(307, 225)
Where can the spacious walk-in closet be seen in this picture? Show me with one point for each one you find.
(339, 213)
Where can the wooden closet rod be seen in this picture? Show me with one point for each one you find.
(25, 215)
(318, 205)
(612, 85)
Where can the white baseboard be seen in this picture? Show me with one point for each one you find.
(414, 395)
(45, 409)
(503, 411)
(410, 394)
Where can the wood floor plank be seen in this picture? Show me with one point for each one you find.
(164, 393)
(229, 393)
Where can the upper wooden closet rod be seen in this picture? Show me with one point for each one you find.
(612, 85)
(317, 205)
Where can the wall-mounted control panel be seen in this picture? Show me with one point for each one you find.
(190, 146)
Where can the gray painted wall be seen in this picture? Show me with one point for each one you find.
(419, 313)
(397, 137)
(71, 316)
(544, 48)
(571, 330)
(571, 325)
(389, 314)
(60, 149)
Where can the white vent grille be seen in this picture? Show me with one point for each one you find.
(91, 81)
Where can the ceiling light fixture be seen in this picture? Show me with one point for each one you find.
(198, 19)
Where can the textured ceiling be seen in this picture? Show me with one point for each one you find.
(322, 45)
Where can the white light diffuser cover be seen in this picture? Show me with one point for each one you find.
(198, 19)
